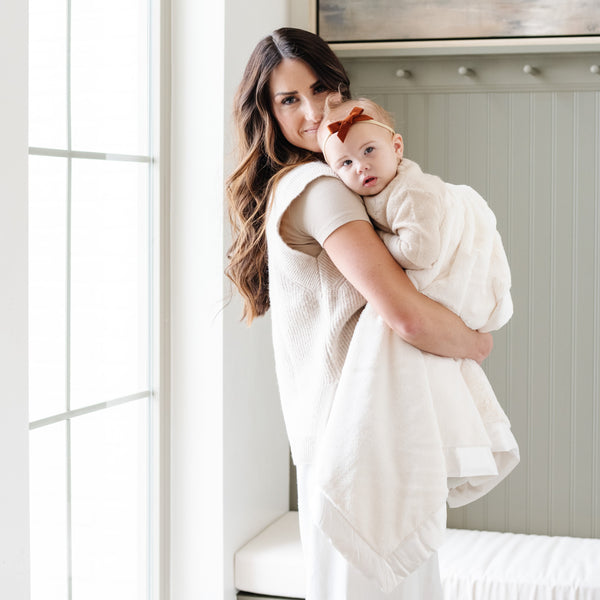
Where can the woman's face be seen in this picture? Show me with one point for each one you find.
(298, 99)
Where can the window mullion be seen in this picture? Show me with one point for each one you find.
(69, 513)
(78, 412)
(68, 312)
(89, 155)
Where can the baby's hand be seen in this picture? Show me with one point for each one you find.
(485, 345)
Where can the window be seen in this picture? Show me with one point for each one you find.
(93, 257)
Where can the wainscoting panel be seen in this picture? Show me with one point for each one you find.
(530, 144)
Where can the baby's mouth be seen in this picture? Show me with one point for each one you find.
(367, 181)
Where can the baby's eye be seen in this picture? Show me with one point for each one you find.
(369, 149)
(347, 163)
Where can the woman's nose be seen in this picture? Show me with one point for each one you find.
(314, 110)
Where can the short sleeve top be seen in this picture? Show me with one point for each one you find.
(325, 205)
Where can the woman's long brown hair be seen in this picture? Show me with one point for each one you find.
(264, 153)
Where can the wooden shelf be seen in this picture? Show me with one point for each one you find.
(467, 47)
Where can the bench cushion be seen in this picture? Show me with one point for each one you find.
(474, 565)
(502, 566)
(272, 563)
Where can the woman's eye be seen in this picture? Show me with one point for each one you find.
(319, 89)
(288, 100)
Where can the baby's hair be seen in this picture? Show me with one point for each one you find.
(335, 102)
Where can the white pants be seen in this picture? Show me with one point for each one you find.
(331, 577)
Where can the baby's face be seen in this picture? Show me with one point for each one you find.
(367, 160)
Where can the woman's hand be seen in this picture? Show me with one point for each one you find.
(360, 255)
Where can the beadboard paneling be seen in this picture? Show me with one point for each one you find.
(531, 146)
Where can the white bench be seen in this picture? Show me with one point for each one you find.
(474, 565)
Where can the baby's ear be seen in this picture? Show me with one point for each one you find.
(398, 145)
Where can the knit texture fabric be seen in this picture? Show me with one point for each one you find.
(314, 311)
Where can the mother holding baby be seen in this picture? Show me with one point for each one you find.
(303, 246)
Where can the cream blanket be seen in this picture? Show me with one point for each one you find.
(410, 431)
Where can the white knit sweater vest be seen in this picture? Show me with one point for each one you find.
(314, 311)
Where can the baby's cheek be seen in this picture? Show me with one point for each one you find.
(347, 180)
(352, 184)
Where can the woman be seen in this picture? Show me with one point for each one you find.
(304, 246)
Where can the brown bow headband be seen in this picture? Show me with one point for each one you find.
(342, 127)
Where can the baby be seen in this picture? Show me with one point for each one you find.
(444, 235)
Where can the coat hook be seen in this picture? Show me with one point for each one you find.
(403, 74)
(529, 70)
(595, 69)
(465, 71)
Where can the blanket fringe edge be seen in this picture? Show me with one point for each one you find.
(386, 571)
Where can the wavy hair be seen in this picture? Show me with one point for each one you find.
(264, 155)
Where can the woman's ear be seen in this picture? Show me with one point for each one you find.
(333, 99)
(398, 146)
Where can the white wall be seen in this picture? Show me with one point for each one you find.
(303, 14)
(14, 517)
(229, 460)
(197, 345)
(256, 466)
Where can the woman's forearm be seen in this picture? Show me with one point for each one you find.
(363, 259)
(431, 327)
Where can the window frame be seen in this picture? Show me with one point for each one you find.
(157, 394)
